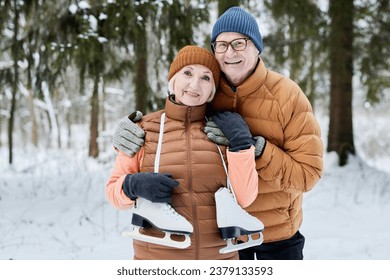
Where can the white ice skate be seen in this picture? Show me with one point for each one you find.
(161, 216)
(233, 221)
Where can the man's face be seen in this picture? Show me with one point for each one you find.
(193, 85)
(237, 65)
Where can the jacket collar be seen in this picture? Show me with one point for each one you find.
(251, 84)
(180, 112)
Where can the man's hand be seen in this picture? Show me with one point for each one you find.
(129, 137)
(215, 134)
(235, 129)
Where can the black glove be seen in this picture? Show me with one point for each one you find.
(235, 129)
(156, 187)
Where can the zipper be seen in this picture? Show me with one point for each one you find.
(236, 100)
(237, 104)
(190, 186)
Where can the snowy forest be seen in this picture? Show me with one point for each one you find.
(70, 69)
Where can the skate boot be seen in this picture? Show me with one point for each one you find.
(233, 221)
(163, 217)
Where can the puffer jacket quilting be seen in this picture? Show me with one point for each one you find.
(276, 108)
(195, 162)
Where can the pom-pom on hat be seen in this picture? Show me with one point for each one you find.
(237, 20)
(195, 55)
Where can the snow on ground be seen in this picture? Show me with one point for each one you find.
(52, 204)
(347, 215)
(53, 207)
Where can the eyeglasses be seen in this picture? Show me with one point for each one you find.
(237, 45)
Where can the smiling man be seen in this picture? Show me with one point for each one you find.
(236, 64)
(289, 149)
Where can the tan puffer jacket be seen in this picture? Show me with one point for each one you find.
(195, 162)
(276, 108)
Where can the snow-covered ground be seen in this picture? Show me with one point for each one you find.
(52, 203)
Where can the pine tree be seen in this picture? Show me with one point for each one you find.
(94, 33)
(372, 52)
(11, 14)
(297, 43)
(340, 135)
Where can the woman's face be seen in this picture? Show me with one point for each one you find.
(193, 85)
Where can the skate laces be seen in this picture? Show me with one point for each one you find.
(172, 212)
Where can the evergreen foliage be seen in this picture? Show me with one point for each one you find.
(65, 63)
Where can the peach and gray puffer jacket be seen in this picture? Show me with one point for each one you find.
(195, 162)
(275, 107)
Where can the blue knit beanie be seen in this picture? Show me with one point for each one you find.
(237, 20)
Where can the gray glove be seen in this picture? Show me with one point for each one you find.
(259, 145)
(215, 134)
(129, 137)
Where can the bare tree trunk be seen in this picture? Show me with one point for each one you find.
(340, 135)
(54, 129)
(15, 57)
(33, 120)
(102, 110)
(94, 125)
(69, 127)
(56, 119)
(11, 123)
(310, 89)
(141, 76)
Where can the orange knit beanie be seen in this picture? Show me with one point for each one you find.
(195, 55)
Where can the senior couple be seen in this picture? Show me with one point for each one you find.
(274, 150)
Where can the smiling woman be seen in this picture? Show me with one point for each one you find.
(193, 76)
(194, 87)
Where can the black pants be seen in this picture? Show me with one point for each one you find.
(289, 249)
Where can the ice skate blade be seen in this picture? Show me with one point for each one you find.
(139, 221)
(165, 241)
(236, 247)
(234, 231)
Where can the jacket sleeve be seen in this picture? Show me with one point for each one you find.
(298, 164)
(243, 175)
(123, 165)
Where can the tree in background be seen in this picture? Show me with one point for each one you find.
(223, 5)
(94, 52)
(340, 135)
(32, 25)
(57, 60)
(323, 47)
(10, 17)
(12, 13)
(102, 40)
(296, 44)
(371, 48)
